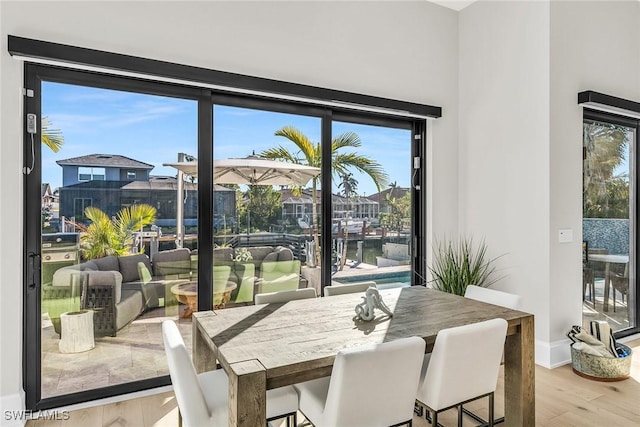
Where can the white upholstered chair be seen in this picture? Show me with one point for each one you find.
(203, 399)
(332, 290)
(372, 386)
(493, 296)
(463, 367)
(284, 296)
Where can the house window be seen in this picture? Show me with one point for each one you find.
(79, 205)
(91, 174)
(131, 174)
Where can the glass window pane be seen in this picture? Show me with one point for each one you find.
(372, 204)
(108, 259)
(266, 202)
(607, 224)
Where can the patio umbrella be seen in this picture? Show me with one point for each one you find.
(252, 170)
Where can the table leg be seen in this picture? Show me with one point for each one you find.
(247, 394)
(605, 303)
(519, 376)
(204, 357)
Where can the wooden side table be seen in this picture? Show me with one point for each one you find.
(187, 293)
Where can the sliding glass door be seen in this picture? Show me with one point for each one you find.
(105, 207)
(147, 202)
(609, 221)
(372, 203)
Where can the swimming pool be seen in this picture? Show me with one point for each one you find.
(383, 280)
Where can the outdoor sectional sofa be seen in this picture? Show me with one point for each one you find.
(119, 289)
(110, 286)
(269, 269)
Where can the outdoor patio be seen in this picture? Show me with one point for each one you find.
(618, 319)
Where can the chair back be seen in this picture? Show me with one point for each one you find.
(348, 289)
(190, 397)
(494, 297)
(284, 296)
(464, 364)
(374, 385)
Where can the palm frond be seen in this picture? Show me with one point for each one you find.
(52, 138)
(345, 161)
(309, 149)
(346, 139)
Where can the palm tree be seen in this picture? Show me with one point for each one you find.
(393, 186)
(349, 186)
(311, 154)
(605, 148)
(106, 236)
(52, 138)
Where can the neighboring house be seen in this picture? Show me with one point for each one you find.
(299, 207)
(46, 194)
(111, 182)
(393, 193)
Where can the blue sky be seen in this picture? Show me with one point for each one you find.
(153, 129)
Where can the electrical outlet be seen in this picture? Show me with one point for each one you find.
(31, 123)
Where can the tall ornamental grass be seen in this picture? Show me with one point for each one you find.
(457, 264)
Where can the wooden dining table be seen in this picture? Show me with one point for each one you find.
(267, 346)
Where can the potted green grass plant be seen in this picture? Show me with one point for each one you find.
(458, 264)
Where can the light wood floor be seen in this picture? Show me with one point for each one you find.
(563, 399)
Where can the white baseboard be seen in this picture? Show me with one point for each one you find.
(554, 354)
(13, 413)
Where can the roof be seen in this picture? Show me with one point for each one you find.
(287, 197)
(45, 190)
(166, 183)
(155, 183)
(105, 160)
(381, 197)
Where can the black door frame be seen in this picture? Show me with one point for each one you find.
(34, 75)
(206, 98)
(634, 287)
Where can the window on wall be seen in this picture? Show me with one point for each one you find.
(79, 207)
(91, 174)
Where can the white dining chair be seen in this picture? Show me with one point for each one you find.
(332, 290)
(494, 297)
(203, 399)
(463, 367)
(285, 296)
(372, 386)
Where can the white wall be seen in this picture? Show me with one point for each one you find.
(504, 143)
(402, 50)
(594, 46)
(522, 65)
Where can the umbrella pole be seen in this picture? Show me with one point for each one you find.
(180, 206)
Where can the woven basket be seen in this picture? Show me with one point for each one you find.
(601, 368)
